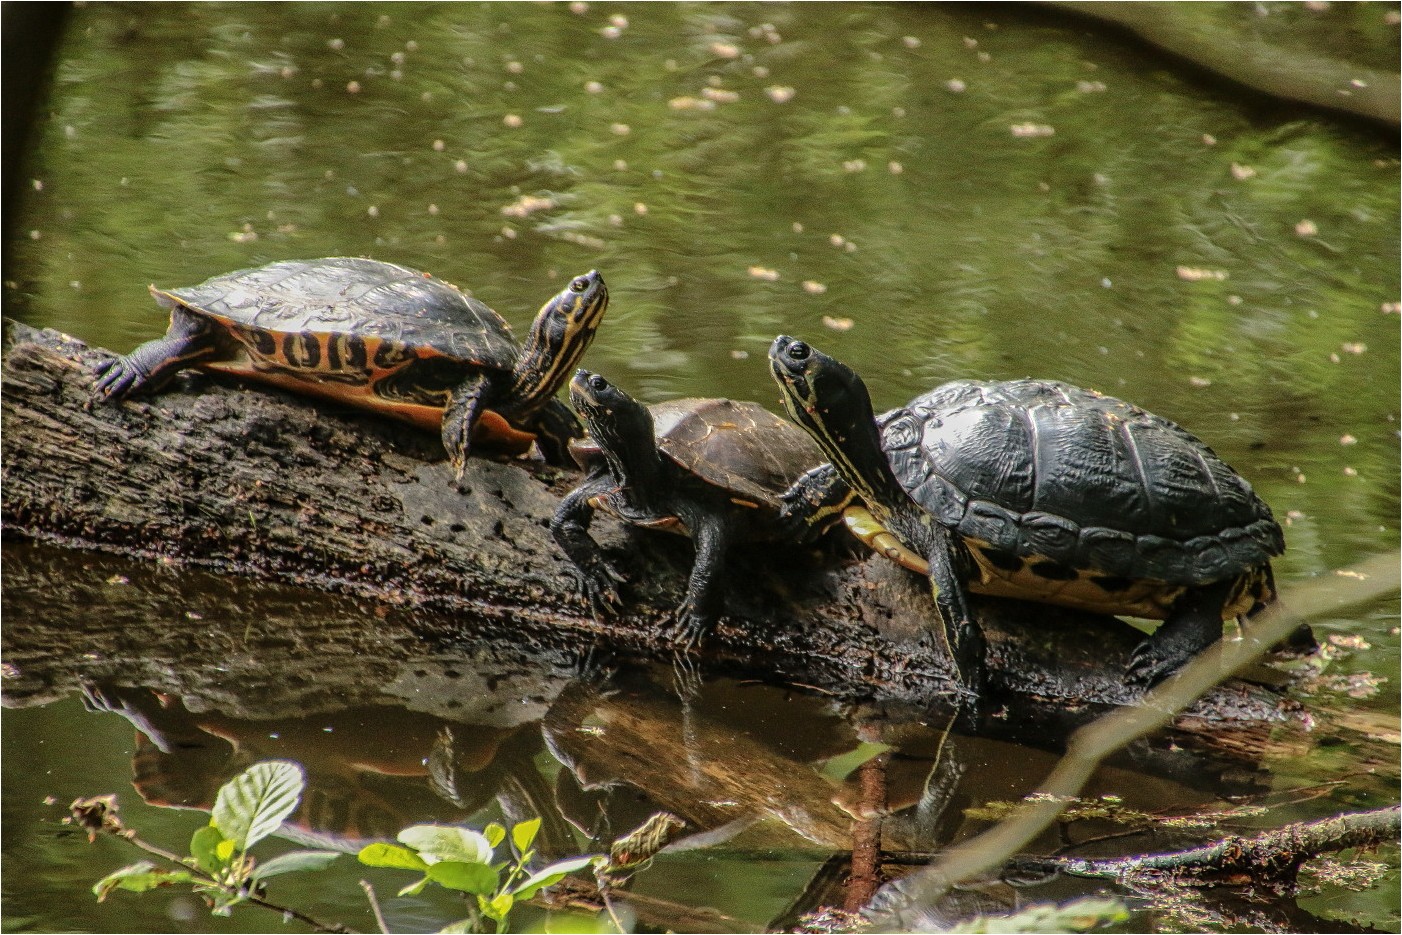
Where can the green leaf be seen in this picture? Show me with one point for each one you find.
(523, 834)
(497, 907)
(224, 850)
(495, 834)
(460, 927)
(294, 860)
(415, 888)
(551, 875)
(138, 878)
(254, 803)
(469, 878)
(390, 855)
(447, 842)
(203, 847)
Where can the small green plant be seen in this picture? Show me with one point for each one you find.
(464, 860)
(220, 868)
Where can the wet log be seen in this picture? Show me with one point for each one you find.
(249, 482)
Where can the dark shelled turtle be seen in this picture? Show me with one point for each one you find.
(1037, 490)
(712, 469)
(379, 337)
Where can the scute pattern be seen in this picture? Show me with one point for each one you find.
(357, 296)
(739, 446)
(1040, 468)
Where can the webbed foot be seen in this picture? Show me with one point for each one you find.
(1152, 662)
(115, 379)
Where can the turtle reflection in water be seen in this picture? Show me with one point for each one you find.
(379, 337)
(1036, 490)
(360, 787)
(712, 469)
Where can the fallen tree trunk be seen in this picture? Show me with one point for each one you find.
(256, 483)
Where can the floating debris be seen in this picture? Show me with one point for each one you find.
(910, 42)
(1347, 440)
(1306, 228)
(512, 120)
(1031, 130)
(720, 95)
(761, 272)
(527, 205)
(686, 102)
(956, 86)
(1241, 173)
(838, 324)
(780, 94)
(725, 50)
(620, 129)
(1196, 274)
(813, 287)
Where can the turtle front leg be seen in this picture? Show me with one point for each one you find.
(963, 638)
(1193, 624)
(704, 597)
(813, 504)
(465, 406)
(595, 578)
(189, 340)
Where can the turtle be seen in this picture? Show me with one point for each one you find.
(1040, 490)
(712, 469)
(380, 337)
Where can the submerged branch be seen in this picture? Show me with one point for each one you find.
(1272, 856)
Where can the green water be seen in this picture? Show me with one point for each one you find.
(928, 192)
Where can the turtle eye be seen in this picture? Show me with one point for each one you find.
(798, 351)
(579, 284)
(597, 382)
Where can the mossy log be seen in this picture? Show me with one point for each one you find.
(249, 482)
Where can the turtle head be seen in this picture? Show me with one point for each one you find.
(831, 401)
(822, 394)
(562, 331)
(620, 425)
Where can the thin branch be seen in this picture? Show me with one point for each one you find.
(1272, 855)
(1370, 580)
(374, 906)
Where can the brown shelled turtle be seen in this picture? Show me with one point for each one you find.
(712, 469)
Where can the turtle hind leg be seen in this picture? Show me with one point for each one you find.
(1193, 624)
(189, 340)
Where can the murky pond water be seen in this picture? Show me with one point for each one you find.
(927, 192)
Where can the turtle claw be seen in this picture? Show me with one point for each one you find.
(689, 628)
(114, 379)
(1148, 665)
(599, 585)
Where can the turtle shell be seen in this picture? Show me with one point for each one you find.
(399, 311)
(1029, 468)
(737, 446)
